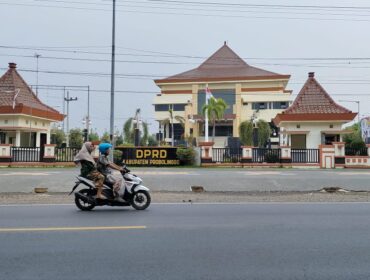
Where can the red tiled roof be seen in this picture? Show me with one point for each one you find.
(314, 103)
(26, 101)
(224, 64)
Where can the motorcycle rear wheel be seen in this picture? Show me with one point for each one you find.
(83, 205)
(141, 200)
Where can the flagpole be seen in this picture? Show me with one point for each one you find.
(206, 116)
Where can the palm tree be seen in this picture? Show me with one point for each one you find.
(169, 121)
(215, 111)
(129, 132)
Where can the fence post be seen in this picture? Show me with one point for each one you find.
(206, 152)
(5, 153)
(49, 153)
(247, 154)
(339, 154)
(327, 156)
(286, 154)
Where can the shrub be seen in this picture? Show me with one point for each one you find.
(185, 155)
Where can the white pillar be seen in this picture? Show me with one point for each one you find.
(38, 139)
(18, 138)
(48, 137)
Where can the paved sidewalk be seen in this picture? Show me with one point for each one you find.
(181, 179)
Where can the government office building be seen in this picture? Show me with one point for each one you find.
(251, 94)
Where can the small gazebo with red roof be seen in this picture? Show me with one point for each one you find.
(24, 119)
(313, 119)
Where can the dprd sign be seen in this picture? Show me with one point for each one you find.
(149, 156)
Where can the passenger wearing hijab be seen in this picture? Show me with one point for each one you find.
(88, 167)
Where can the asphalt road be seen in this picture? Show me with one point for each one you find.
(246, 241)
(180, 179)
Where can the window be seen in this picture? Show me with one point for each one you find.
(161, 107)
(259, 106)
(228, 95)
(280, 105)
(2, 137)
(179, 107)
(6, 121)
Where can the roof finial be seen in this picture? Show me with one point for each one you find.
(311, 74)
(12, 65)
(225, 43)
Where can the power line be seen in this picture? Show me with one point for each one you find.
(184, 56)
(189, 14)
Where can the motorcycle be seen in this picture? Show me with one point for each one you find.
(134, 194)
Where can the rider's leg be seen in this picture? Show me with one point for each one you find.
(99, 182)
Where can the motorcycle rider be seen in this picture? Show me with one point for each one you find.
(89, 168)
(110, 170)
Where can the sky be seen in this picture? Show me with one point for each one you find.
(160, 38)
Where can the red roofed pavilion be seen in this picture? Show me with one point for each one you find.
(24, 120)
(313, 119)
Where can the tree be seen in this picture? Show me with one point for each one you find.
(93, 136)
(246, 133)
(152, 142)
(264, 132)
(354, 140)
(75, 138)
(129, 132)
(215, 111)
(119, 140)
(105, 138)
(172, 134)
(58, 137)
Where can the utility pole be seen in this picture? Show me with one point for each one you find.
(64, 106)
(68, 99)
(37, 73)
(112, 78)
(87, 120)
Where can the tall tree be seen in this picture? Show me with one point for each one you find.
(57, 137)
(246, 133)
(215, 110)
(170, 111)
(354, 140)
(264, 132)
(129, 132)
(105, 138)
(75, 138)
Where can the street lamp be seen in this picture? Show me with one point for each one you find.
(358, 107)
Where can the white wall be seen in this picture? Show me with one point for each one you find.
(313, 138)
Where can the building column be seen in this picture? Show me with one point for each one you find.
(237, 110)
(18, 138)
(48, 137)
(38, 139)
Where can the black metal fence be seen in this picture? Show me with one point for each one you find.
(227, 155)
(25, 154)
(305, 155)
(65, 154)
(356, 152)
(261, 155)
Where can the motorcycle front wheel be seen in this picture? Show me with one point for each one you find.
(85, 205)
(141, 200)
